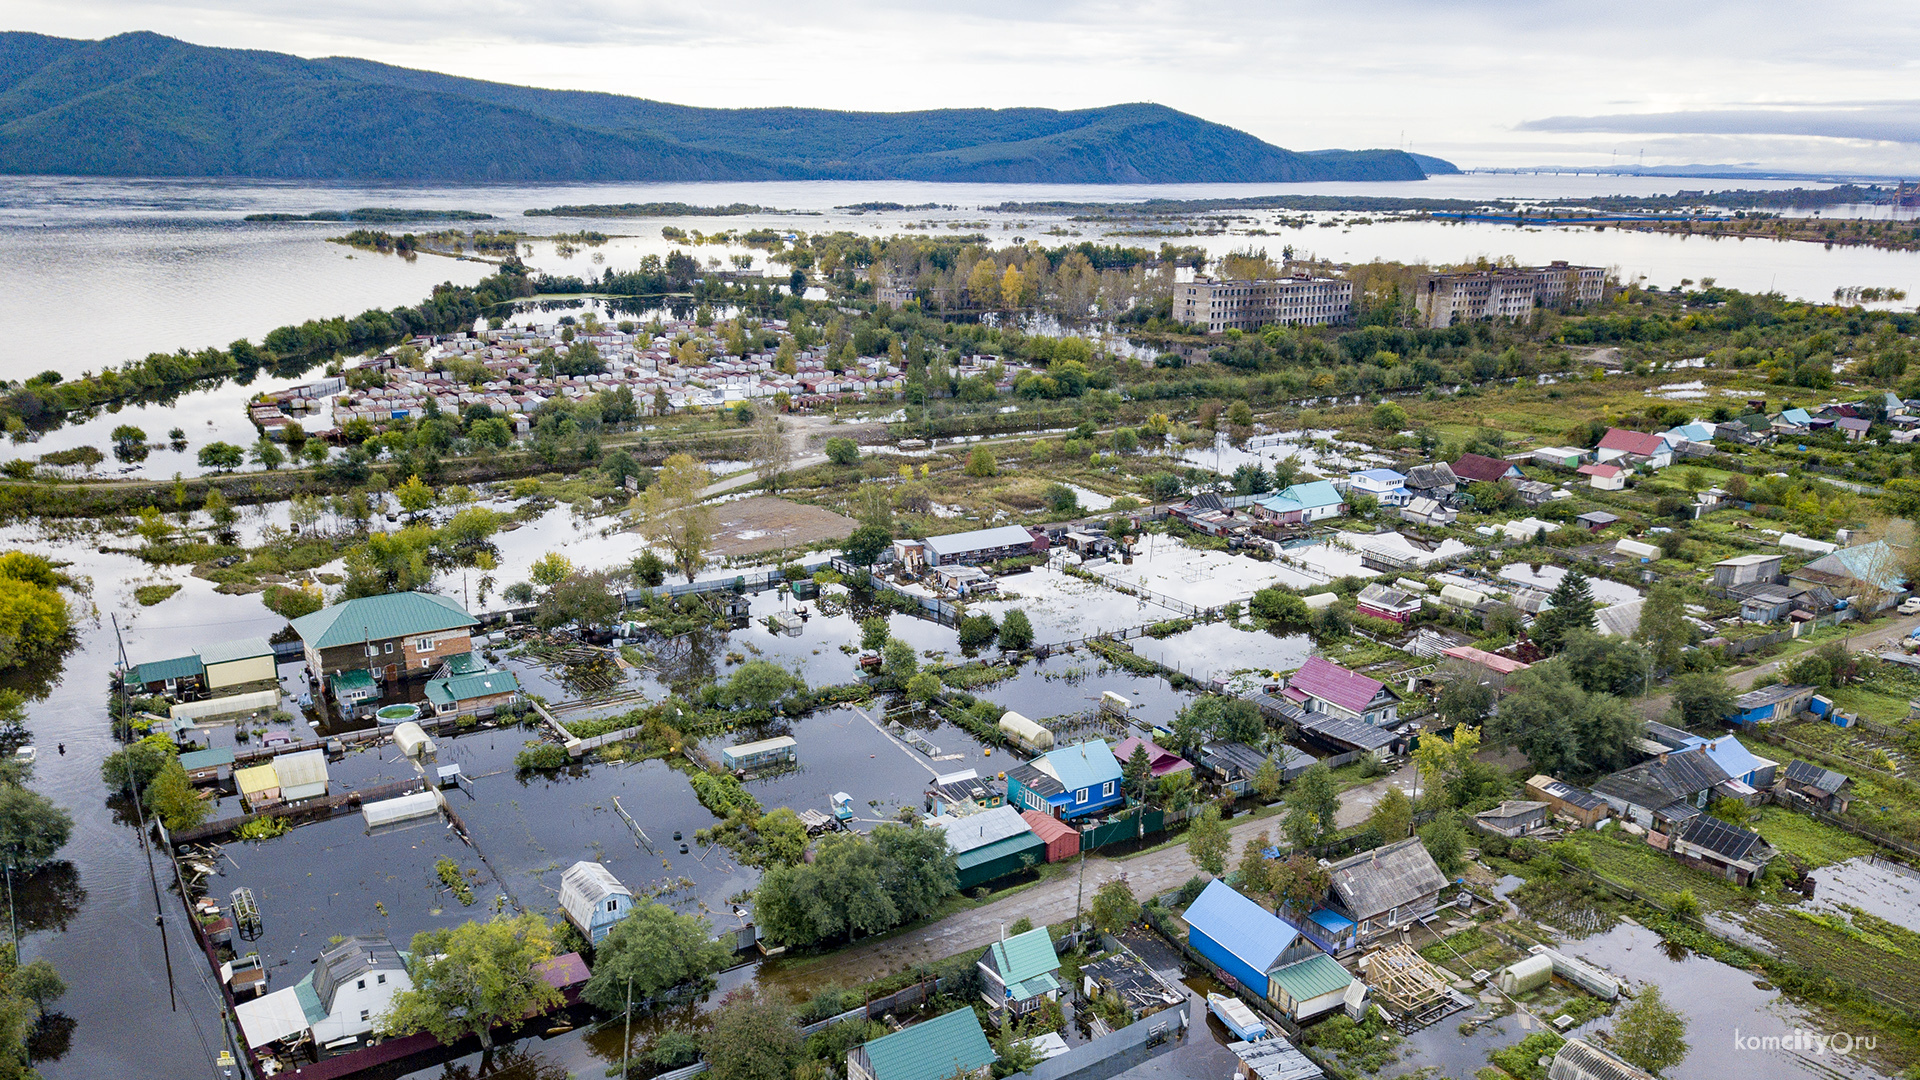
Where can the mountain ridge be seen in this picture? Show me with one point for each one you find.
(142, 104)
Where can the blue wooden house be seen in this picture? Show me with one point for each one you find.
(593, 899)
(1071, 782)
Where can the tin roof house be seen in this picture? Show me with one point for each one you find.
(948, 1046)
(1244, 940)
(1481, 469)
(593, 899)
(1323, 686)
(1619, 443)
(1386, 485)
(1019, 974)
(355, 982)
(1670, 788)
(1806, 784)
(1386, 888)
(1071, 782)
(1304, 503)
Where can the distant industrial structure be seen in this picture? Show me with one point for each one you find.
(1299, 300)
(1445, 299)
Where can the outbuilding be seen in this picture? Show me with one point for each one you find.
(259, 786)
(1307, 988)
(1582, 807)
(302, 775)
(1241, 938)
(1026, 731)
(593, 899)
(1512, 818)
(235, 663)
(759, 755)
(1062, 839)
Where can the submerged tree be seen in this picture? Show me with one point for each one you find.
(471, 978)
(674, 515)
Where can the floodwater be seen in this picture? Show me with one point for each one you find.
(1218, 648)
(1877, 886)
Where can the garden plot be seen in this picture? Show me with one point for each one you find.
(1341, 555)
(753, 525)
(1067, 608)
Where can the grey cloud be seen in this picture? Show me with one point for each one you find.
(1893, 121)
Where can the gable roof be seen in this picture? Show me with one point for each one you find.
(1633, 442)
(1082, 765)
(1873, 563)
(1250, 932)
(1803, 773)
(1732, 756)
(374, 618)
(1604, 472)
(1494, 662)
(1697, 431)
(1314, 493)
(1480, 468)
(468, 687)
(979, 539)
(1727, 841)
(241, 649)
(1656, 783)
(1330, 682)
(1047, 827)
(1437, 474)
(1023, 956)
(210, 758)
(1566, 792)
(1382, 476)
(978, 830)
(1380, 880)
(1578, 1059)
(351, 959)
(1275, 1059)
(1511, 808)
(1852, 423)
(180, 667)
(1796, 416)
(939, 1048)
(1307, 979)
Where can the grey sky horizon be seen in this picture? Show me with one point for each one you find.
(1831, 90)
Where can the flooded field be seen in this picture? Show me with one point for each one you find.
(1218, 648)
(1067, 608)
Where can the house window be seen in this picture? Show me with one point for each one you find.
(366, 1015)
(424, 644)
(613, 905)
(426, 662)
(1080, 796)
(361, 985)
(373, 650)
(389, 646)
(381, 978)
(1106, 788)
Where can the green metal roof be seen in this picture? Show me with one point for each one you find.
(180, 667)
(1032, 988)
(1024, 956)
(206, 759)
(1312, 977)
(468, 687)
(465, 664)
(309, 999)
(374, 618)
(935, 1050)
(352, 681)
(1000, 849)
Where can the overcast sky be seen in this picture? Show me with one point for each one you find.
(1827, 87)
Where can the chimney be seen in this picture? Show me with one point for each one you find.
(1663, 757)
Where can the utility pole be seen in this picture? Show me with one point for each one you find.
(140, 814)
(627, 1046)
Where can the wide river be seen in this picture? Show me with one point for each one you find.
(100, 271)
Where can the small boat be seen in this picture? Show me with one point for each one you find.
(26, 755)
(1238, 1016)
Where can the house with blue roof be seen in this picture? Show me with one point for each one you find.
(1244, 940)
(1747, 772)
(1303, 504)
(1386, 485)
(1854, 573)
(1698, 431)
(1071, 782)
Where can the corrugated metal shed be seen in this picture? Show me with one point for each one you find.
(180, 667)
(227, 652)
(979, 830)
(1275, 1059)
(1312, 977)
(302, 775)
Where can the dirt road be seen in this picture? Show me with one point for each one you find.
(1054, 901)
(1873, 640)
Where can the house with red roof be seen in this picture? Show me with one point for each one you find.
(1483, 666)
(1604, 477)
(1619, 443)
(1161, 761)
(1479, 468)
(1325, 687)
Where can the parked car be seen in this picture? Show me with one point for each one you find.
(1910, 606)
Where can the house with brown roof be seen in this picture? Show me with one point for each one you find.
(1480, 469)
(1619, 443)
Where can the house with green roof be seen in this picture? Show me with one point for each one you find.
(1019, 974)
(1306, 988)
(392, 637)
(468, 695)
(947, 1046)
(181, 673)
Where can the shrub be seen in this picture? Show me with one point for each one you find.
(540, 756)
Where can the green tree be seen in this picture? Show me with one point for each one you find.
(1208, 840)
(34, 621)
(1266, 780)
(219, 510)
(1572, 609)
(977, 630)
(842, 450)
(1562, 728)
(867, 543)
(923, 687)
(783, 836)
(132, 767)
(1663, 625)
(267, 454)
(171, 798)
(1315, 795)
(474, 977)
(658, 950)
(873, 634)
(1282, 611)
(674, 515)
(1240, 414)
(650, 569)
(32, 828)
(1440, 758)
(1114, 907)
(583, 599)
(550, 569)
(1016, 631)
(415, 497)
(1392, 816)
(1137, 771)
(1701, 698)
(981, 463)
(751, 1037)
(1299, 883)
(1649, 1033)
(1446, 842)
(1062, 499)
(222, 456)
(1389, 417)
(1256, 870)
(899, 660)
(759, 684)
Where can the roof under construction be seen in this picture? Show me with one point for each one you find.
(1404, 978)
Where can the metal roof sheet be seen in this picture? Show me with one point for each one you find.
(1480, 468)
(255, 780)
(1814, 776)
(227, 652)
(979, 830)
(1355, 733)
(1330, 682)
(1312, 977)
(942, 1047)
(1023, 956)
(180, 667)
(469, 687)
(1082, 765)
(212, 757)
(374, 618)
(1250, 932)
(1275, 1059)
(979, 539)
(1386, 877)
(1012, 845)
(301, 769)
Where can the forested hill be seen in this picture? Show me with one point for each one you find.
(145, 105)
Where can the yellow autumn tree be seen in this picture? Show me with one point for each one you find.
(1012, 287)
(983, 284)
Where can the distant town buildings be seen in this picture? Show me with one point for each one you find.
(1446, 299)
(1299, 300)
